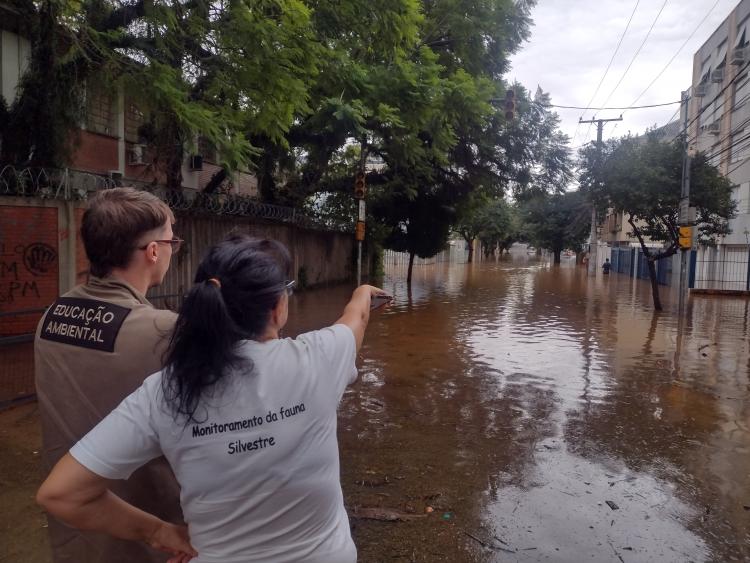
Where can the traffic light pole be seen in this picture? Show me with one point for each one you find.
(359, 194)
(593, 246)
(684, 216)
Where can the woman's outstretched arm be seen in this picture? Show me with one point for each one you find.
(356, 314)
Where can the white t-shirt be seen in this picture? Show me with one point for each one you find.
(260, 473)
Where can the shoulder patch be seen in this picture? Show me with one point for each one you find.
(84, 322)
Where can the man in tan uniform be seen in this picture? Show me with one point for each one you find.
(96, 344)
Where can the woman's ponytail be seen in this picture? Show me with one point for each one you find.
(236, 286)
(202, 347)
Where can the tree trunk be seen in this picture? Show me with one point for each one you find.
(654, 283)
(411, 267)
(557, 253)
(470, 259)
(651, 266)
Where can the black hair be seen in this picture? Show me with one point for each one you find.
(237, 285)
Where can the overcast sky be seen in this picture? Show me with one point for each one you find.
(573, 40)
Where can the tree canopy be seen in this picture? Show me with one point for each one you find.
(642, 177)
(556, 221)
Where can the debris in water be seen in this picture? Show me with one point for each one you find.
(612, 505)
(428, 509)
(383, 514)
(374, 482)
(447, 515)
(488, 544)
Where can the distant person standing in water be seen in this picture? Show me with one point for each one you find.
(246, 419)
(606, 266)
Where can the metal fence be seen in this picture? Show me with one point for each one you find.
(455, 254)
(726, 268)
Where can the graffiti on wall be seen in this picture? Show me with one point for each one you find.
(29, 266)
(20, 266)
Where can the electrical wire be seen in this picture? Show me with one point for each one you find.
(619, 43)
(671, 60)
(613, 108)
(635, 56)
(675, 55)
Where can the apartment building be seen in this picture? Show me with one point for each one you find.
(719, 113)
(109, 143)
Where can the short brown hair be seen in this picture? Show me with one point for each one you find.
(114, 221)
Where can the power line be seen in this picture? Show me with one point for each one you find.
(636, 53)
(671, 60)
(609, 65)
(614, 108)
(677, 53)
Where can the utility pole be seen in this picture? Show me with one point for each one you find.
(684, 219)
(593, 259)
(360, 191)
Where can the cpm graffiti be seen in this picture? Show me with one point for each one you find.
(20, 268)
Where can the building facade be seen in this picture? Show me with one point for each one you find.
(719, 118)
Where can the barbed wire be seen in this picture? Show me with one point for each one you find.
(75, 185)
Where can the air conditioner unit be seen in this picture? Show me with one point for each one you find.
(718, 75)
(713, 128)
(136, 155)
(739, 56)
(700, 90)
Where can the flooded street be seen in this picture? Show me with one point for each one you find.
(541, 416)
(515, 411)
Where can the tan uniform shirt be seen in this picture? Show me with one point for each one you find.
(93, 347)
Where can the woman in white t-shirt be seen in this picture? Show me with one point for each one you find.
(246, 420)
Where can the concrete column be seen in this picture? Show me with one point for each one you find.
(120, 112)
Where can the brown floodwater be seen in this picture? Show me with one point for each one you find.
(516, 411)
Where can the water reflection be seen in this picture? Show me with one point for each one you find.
(516, 399)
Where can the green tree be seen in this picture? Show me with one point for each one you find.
(502, 227)
(556, 222)
(642, 176)
(223, 70)
(492, 220)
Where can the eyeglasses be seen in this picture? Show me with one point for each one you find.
(289, 286)
(175, 242)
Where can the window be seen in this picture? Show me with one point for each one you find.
(100, 112)
(705, 71)
(740, 146)
(721, 56)
(134, 118)
(741, 38)
(715, 155)
(741, 91)
(741, 195)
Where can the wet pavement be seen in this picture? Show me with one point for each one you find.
(515, 411)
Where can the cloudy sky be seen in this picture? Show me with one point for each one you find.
(572, 42)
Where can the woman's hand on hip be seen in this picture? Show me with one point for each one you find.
(173, 539)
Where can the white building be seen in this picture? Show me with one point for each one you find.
(719, 117)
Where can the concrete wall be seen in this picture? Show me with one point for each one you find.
(42, 256)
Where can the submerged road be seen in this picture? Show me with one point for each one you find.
(515, 411)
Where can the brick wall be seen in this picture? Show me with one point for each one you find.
(95, 153)
(29, 265)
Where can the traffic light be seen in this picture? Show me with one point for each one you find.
(359, 186)
(510, 105)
